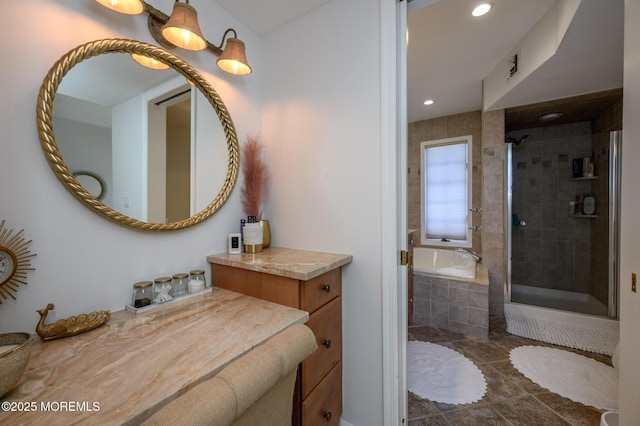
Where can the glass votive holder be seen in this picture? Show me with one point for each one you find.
(180, 284)
(142, 294)
(197, 281)
(162, 289)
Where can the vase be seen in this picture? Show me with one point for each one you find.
(266, 233)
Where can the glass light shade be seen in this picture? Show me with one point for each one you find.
(128, 7)
(182, 28)
(550, 116)
(148, 62)
(234, 59)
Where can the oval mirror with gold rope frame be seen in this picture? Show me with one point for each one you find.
(47, 139)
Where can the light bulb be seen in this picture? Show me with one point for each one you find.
(481, 9)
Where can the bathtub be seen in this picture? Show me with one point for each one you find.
(444, 262)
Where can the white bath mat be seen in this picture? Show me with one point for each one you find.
(441, 374)
(568, 374)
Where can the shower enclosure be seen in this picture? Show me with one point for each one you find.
(562, 219)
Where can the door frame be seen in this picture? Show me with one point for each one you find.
(393, 24)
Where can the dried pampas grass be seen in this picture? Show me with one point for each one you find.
(254, 172)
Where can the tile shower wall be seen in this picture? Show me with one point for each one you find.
(553, 250)
(493, 237)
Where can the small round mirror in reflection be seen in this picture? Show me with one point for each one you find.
(92, 183)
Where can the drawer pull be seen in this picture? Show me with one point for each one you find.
(326, 415)
(326, 288)
(326, 343)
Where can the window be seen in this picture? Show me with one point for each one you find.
(446, 192)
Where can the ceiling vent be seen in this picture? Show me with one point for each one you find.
(513, 64)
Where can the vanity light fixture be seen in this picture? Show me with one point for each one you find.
(128, 7)
(148, 62)
(181, 29)
(428, 102)
(233, 58)
(481, 9)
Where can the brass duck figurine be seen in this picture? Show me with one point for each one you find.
(70, 326)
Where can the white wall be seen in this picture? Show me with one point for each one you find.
(323, 141)
(537, 46)
(85, 262)
(322, 135)
(86, 148)
(210, 173)
(630, 230)
(130, 156)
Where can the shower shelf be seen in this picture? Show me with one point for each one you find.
(584, 216)
(585, 178)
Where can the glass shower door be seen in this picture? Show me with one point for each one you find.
(558, 258)
(615, 178)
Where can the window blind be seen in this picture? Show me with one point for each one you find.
(445, 191)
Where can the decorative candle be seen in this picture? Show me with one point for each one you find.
(197, 281)
(252, 237)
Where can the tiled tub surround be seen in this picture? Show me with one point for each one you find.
(436, 261)
(469, 123)
(455, 304)
(487, 129)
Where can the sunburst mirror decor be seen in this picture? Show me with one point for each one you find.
(15, 261)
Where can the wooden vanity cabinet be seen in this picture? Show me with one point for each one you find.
(318, 393)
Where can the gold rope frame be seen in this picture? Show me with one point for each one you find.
(47, 139)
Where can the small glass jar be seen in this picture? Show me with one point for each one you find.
(162, 289)
(142, 294)
(180, 284)
(197, 281)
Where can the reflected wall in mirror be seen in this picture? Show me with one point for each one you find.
(161, 140)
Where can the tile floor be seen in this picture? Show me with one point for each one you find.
(511, 398)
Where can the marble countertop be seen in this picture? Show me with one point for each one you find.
(127, 369)
(286, 262)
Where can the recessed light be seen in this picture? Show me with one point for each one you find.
(481, 9)
(550, 116)
(428, 102)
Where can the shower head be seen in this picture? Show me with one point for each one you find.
(516, 142)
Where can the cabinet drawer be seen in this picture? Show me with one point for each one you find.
(273, 288)
(324, 405)
(326, 324)
(321, 289)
